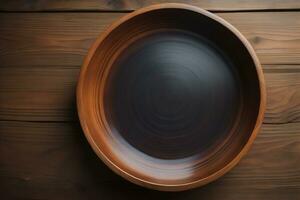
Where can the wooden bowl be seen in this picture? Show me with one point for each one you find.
(171, 97)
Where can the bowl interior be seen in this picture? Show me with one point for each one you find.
(170, 96)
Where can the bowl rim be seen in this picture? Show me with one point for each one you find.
(193, 184)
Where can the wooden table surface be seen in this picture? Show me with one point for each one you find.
(43, 153)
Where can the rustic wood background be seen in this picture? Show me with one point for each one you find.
(43, 153)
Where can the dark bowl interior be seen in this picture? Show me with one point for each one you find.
(168, 91)
(170, 97)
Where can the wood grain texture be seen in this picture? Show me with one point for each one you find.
(44, 93)
(47, 93)
(129, 5)
(55, 161)
(50, 48)
(283, 92)
(53, 158)
(54, 45)
(39, 39)
(274, 36)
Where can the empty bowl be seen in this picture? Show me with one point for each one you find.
(171, 97)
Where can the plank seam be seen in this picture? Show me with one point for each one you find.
(128, 11)
(76, 121)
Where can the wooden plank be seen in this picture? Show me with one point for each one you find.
(53, 160)
(49, 38)
(39, 39)
(128, 5)
(274, 36)
(47, 93)
(283, 97)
